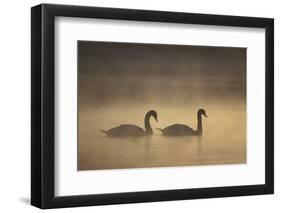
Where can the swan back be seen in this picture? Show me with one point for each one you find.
(178, 130)
(126, 130)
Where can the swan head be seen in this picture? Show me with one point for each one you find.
(153, 113)
(202, 112)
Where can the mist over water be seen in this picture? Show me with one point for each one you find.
(120, 82)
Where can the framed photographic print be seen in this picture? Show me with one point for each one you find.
(139, 106)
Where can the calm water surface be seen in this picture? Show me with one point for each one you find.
(223, 140)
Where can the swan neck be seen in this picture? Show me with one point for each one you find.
(199, 124)
(147, 126)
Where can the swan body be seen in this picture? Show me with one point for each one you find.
(177, 130)
(131, 130)
(184, 130)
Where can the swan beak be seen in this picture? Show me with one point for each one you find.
(156, 119)
(206, 116)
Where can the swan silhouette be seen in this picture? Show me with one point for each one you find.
(184, 130)
(131, 130)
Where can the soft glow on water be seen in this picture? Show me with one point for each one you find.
(223, 140)
(119, 82)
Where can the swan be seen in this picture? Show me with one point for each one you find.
(184, 130)
(131, 130)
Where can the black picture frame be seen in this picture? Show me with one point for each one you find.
(43, 111)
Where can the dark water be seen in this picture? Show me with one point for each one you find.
(223, 140)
